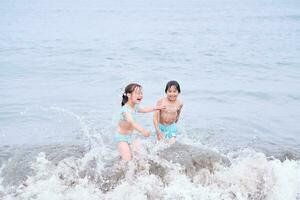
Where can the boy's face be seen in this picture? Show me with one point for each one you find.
(172, 93)
(137, 95)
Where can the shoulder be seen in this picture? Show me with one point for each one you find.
(179, 103)
(160, 101)
(124, 109)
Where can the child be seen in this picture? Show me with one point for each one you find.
(127, 123)
(165, 119)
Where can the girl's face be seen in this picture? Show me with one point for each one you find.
(137, 95)
(172, 93)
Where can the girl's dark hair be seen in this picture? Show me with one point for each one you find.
(129, 89)
(170, 84)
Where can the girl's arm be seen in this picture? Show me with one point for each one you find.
(149, 109)
(136, 126)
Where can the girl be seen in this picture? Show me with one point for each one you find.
(127, 123)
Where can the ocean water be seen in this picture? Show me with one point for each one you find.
(64, 66)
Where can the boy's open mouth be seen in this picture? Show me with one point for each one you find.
(139, 99)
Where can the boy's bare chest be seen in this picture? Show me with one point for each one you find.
(170, 109)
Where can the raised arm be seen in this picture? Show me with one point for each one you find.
(149, 109)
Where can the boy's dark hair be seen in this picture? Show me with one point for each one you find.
(170, 84)
(129, 89)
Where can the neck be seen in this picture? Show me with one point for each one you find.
(171, 101)
(131, 104)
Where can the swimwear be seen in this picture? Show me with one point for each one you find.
(126, 109)
(123, 138)
(169, 131)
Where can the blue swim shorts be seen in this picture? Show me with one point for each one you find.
(169, 131)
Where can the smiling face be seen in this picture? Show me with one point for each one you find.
(172, 93)
(136, 95)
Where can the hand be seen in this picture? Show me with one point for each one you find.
(159, 136)
(146, 133)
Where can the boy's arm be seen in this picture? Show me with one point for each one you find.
(178, 113)
(136, 126)
(155, 122)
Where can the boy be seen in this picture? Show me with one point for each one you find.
(165, 119)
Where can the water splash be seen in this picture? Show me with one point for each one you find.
(178, 171)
